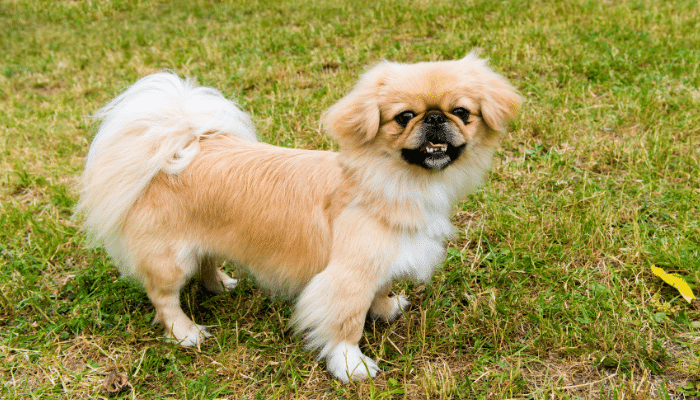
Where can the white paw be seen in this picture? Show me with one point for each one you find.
(397, 303)
(221, 283)
(347, 362)
(187, 335)
(400, 304)
(229, 284)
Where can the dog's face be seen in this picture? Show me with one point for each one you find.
(424, 114)
(425, 121)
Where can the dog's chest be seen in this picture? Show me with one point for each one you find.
(421, 253)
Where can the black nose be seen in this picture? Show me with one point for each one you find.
(435, 118)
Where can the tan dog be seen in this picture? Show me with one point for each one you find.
(175, 181)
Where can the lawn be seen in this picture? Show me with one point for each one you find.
(546, 292)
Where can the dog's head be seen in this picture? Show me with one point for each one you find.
(424, 114)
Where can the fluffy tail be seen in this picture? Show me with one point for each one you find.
(155, 125)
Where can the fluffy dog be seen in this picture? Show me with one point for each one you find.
(175, 182)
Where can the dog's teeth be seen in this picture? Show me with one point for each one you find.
(431, 148)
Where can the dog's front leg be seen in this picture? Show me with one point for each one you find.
(331, 315)
(332, 308)
(385, 307)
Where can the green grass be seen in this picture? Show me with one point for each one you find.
(546, 291)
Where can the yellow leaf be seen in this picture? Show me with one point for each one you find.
(675, 281)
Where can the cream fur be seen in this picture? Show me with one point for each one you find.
(155, 126)
(175, 182)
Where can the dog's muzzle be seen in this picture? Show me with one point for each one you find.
(437, 150)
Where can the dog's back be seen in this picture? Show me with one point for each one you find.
(254, 203)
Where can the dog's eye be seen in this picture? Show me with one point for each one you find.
(403, 118)
(461, 113)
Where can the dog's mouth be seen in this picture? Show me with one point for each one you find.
(433, 148)
(433, 155)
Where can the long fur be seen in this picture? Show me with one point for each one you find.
(175, 181)
(156, 125)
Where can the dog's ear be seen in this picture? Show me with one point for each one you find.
(500, 101)
(354, 120)
(500, 104)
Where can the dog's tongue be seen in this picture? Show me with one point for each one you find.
(432, 148)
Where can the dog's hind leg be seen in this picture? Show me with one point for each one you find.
(164, 274)
(213, 278)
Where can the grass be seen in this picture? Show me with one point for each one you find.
(546, 291)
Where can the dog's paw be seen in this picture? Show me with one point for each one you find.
(229, 284)
(347, 362)
(187, 335)
(390, 308)
(400, 304)
(219, 282)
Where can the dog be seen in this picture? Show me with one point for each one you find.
(175, 182)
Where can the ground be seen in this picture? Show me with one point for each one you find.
(546, 292)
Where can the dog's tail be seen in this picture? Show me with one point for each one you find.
(155, 125)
